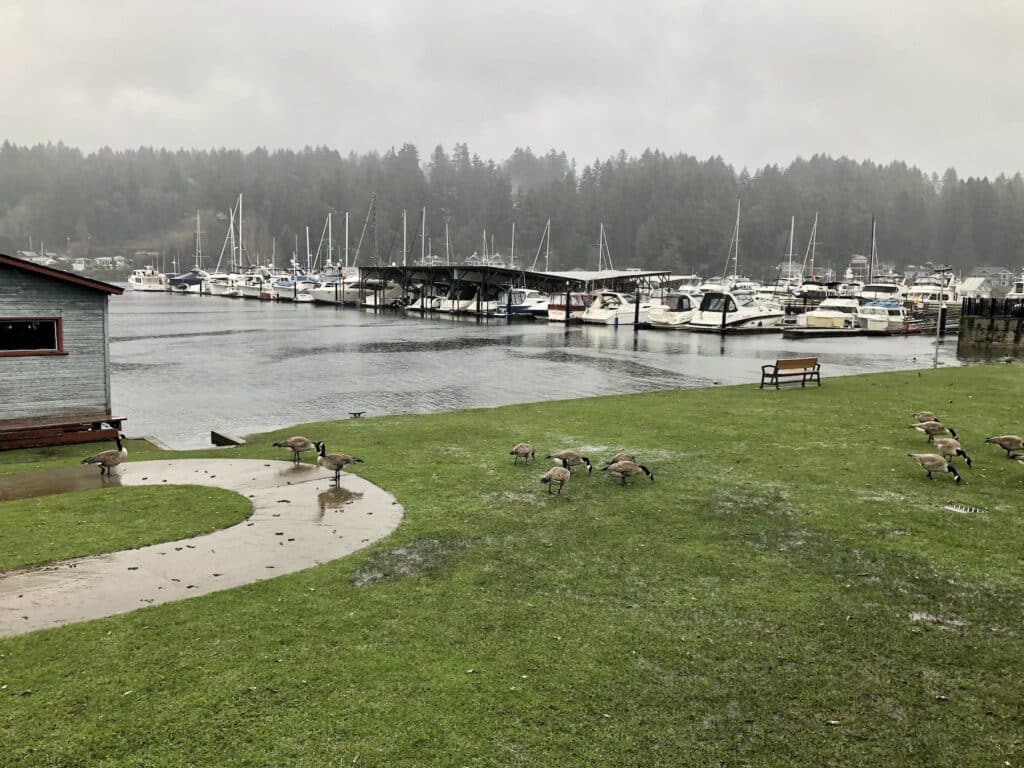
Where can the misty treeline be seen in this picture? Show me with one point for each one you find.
(659, 210)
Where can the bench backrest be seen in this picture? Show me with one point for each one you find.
(796, 363)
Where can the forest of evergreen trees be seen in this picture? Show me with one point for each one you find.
(659, 210)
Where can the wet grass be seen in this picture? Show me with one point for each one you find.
(787, 592)
(42, 530)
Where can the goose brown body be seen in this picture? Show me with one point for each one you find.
(624, 469)
(932, 428)
(523, 451)
(334, 462)
(571, 459)
(297, 445)
(106, 460)
(949, 447)
(1007, 442)
(922, 416)
(556, 476)
(932, 462)
(621, 456)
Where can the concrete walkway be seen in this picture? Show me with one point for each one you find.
(300, 519)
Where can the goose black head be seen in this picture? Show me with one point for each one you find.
(952, 432)
(952, 470)
(960, 452)
(321, 447)
(590, 467)
(565, 463)
(647, 472)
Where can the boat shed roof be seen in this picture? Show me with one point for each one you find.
(496, 275)
(60, 274)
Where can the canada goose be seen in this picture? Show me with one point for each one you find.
(624, 469)
(922, 416)
(557, 476)
(932, 428)
(572, 459)
(523, 451)
(619, 457)
(108, 459)
(950, 447)
(1007, 443)
(296, 445)
(334, 462)
(932, 462)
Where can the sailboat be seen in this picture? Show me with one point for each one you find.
(192, 281)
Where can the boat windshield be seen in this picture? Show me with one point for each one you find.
(881, 288)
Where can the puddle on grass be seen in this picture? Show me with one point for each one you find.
(46, 482)
(414, 559)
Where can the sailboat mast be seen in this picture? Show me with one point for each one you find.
(405, 237)
(547, 252)
(512, 253)
(199, 242)
(423, 235)
(600, 248)
(872, 262)
(736, 237)
(307, 248)
(447, 246)
(346, 241)
(792, 224)
(238, 264)
(814, 242)
(330, 243)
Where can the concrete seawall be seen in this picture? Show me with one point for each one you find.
(1000, 333)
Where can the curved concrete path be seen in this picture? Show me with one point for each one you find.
(300, 519)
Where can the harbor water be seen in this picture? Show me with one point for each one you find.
(182, 365)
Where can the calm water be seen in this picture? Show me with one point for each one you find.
(183, 365)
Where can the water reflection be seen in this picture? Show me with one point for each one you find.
(334, 499)
(28, 485)
(183, 365)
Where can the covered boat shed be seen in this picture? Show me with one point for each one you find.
(54, 357)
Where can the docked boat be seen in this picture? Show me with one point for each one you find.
(889, 317)
(461, 298)
(1016, 291)
(289, 289)
(726, 312)
(613, 308)
(578, 303)
(189, 282)
(430, 298)
(522, 303)
(381, 293)
(675, 311)
(147, 279)
(833, 313)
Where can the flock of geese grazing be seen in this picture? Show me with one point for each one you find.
(927, 423)
(621, 465)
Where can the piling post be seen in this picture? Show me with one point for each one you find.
(568, 302)
(508, 302)
(725, 306)
(636, 310)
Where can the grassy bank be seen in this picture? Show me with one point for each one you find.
(787, 591)
(48, 528)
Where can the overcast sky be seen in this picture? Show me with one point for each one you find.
(935, 83)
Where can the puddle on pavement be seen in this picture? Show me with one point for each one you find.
(28, 485)
(334, 499)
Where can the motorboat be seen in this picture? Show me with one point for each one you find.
(578, 303)
(461, 298)
(189, 282)
(522, 303)
(727, 312)
(430, 298)
(147, 279)
(675, 311)
(1016, 291)
(614, 308)
(888, 317)
(833, 313)
(222, 284)
(289, 288)
(882, 291)
(381, 293)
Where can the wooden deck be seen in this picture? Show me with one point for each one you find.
(32, 433)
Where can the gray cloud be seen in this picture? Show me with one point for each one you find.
(931, 83)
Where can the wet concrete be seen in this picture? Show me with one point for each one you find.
(300, 519)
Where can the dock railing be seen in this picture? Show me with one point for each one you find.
(993, 307)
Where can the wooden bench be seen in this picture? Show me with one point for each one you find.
(32, 433)
(356, 414)
(804, 368)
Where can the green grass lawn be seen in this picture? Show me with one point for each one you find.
(787, 592)
(66, 525)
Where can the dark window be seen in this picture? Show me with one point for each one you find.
(30, 336)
